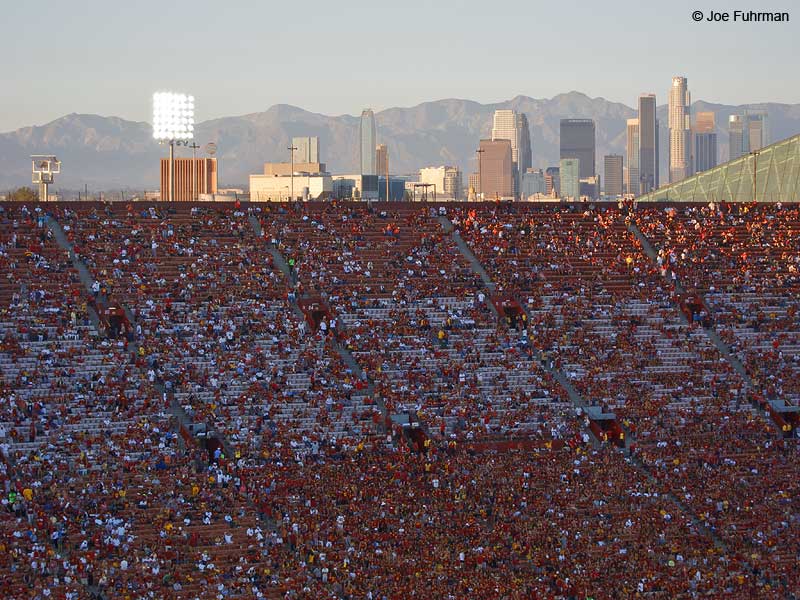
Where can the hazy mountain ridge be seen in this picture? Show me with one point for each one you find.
(112, 153)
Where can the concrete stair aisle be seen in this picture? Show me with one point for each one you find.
(83, 271)
(468, 254)
(479, 270)
(723, 348)
(280, 261)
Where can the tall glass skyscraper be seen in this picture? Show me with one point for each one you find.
(577, 141)
(569, 170)
(648, 144)
(367, 140)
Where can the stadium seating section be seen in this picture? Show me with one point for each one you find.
(329, 400)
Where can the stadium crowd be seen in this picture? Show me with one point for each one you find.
(112, 485)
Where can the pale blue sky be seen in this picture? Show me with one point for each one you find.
(335, 57)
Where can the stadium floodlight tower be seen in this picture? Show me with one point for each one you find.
(173, 123)
(44, 166)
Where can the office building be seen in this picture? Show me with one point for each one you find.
(496, 170)
(357, 186)
(306, 149)
(367, 138)
(552, 182)
(513, 126)
(381, 159)
(533, 184)
(446, 179)
(569, 173)
(736, 136)
(632, 150)
(589, 187)
(680, 130)
(705, 122)
(472, 192)
(648, 144)
(397, 189)
(612, 174)
(757, 130)
(747, 133)
(704, 153)
(193, 176)
(577, 140)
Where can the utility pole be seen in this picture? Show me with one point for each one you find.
(480, 152)
(192, 187)
(291, 150)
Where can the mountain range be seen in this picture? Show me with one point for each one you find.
(108, 153)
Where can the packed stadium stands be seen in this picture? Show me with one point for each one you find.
(335, 400)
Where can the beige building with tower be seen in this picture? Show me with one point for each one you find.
(193, 177)
(279, 183)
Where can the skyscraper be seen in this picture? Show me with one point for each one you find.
(705, 122)
(381, 159)
(367, 139)
(533, 183)
(757, 130)
(648, 143)
(705, 142)
(736, 136)
(577, 141)
(307, 149)
(680, 132)
(612, 174)
(632, 150)
(747, 133)
(552, 181)
(569, 171)
(513, 126)
(496, 169)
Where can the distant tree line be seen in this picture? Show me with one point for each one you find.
(23, 194)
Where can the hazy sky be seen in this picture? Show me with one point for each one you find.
(336, 57)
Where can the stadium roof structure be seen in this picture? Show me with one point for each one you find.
(771, 174)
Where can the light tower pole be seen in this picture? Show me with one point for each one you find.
(173, 123)
(192, 186)
(755, 154)
(291, 150)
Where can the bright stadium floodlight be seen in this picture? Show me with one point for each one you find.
(173, 123)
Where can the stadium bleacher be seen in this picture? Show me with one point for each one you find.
(113, 486)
